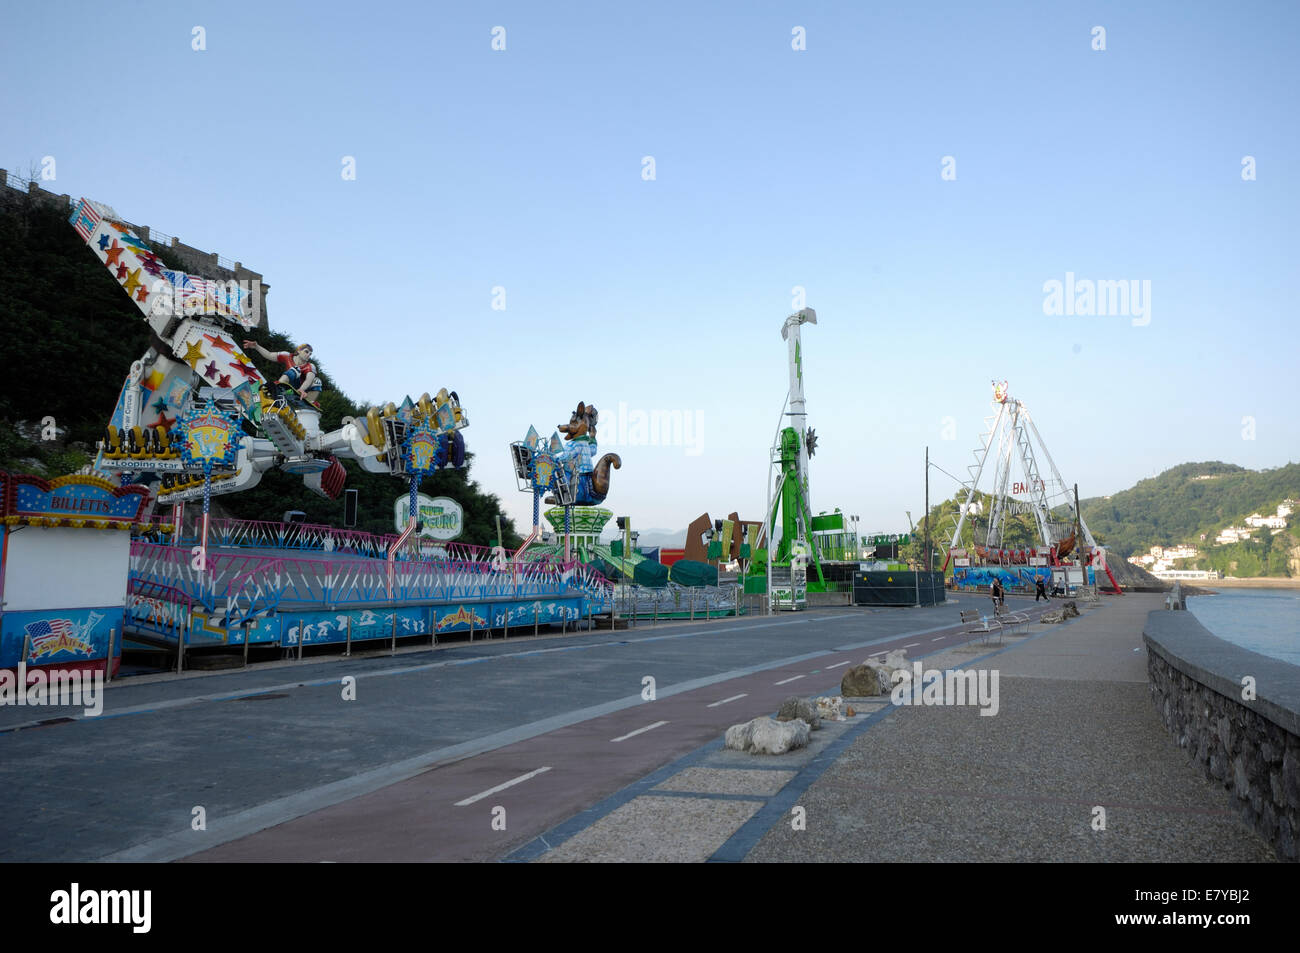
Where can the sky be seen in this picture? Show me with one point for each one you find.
(622, 206)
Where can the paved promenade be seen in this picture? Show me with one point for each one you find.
(555, 750)
(1075, 735)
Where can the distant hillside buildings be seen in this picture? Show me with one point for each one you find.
(1159, 560)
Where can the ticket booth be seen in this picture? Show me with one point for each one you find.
(65, 560)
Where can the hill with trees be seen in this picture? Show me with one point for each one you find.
(1195, 499)
(1180, 505)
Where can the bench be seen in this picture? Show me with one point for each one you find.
(980, 624)
(1012, 620)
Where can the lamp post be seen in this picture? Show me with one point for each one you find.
(625, 524)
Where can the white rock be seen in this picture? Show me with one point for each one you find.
(896, 659)
(778, 737)
(739, 736)
(830, 709)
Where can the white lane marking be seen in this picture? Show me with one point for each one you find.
(939, 639)
(632, 734)
(786, 681)
(501, 787)
(911, 645)
(731, 699)
(838, 664)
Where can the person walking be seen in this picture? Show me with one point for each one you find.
(999, 595)
(1040, 589)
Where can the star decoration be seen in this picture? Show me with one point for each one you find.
(193, 354)
(210, 371)
(241, 359)
(103, 242)
(114, 253)
(121, 272)
(159, 405)
(220, 342)
(224, 381)
(153, 381)
(141, 293)
(165, 421)
(248, 372)
(153, 266)
(119, 226)
(132, 282)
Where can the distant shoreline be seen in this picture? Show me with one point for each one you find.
(1253, 582)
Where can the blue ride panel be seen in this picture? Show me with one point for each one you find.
(543, 611)
(462, 617)
(326, 627)
(969, 577)
(60, 636)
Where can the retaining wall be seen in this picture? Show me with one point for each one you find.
(1237, 713)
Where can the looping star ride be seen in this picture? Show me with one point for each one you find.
(195, 370)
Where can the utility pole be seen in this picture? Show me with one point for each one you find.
(1078, 538)
(928, 560)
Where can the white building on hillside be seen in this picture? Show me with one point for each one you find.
(1233, 534)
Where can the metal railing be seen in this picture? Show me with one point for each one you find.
(676, 602)
(315, 537)
(161, 609)
(249, 586)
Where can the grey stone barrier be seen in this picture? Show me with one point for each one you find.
(1238, 715)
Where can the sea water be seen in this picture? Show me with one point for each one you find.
(1266, 621)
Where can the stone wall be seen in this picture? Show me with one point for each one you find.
(14, 189)
(1202, 687)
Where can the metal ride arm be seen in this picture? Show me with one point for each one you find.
(1002, 475)
(1056, 476)
(203, 366)
(981, 456)
(1033, 480)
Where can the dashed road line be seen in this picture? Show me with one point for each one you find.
(939, 639)
(838, 664)
(731, 699)
(787, 681)
(501, 787)
(633, 734)
(910, 645)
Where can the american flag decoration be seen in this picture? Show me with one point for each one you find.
(49, 630)
(85, 219)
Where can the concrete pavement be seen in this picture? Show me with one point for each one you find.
(1075, 766)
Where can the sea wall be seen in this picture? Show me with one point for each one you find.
(1237, 713)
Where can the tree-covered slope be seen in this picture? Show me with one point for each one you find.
(1186, 501)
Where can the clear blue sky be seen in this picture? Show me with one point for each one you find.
(820, 168)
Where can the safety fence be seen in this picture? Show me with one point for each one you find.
(159, 609)
(678, 602)
(313, 537)
(248, 586)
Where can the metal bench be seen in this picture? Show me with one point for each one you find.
(1012, 620)
(981, 625)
